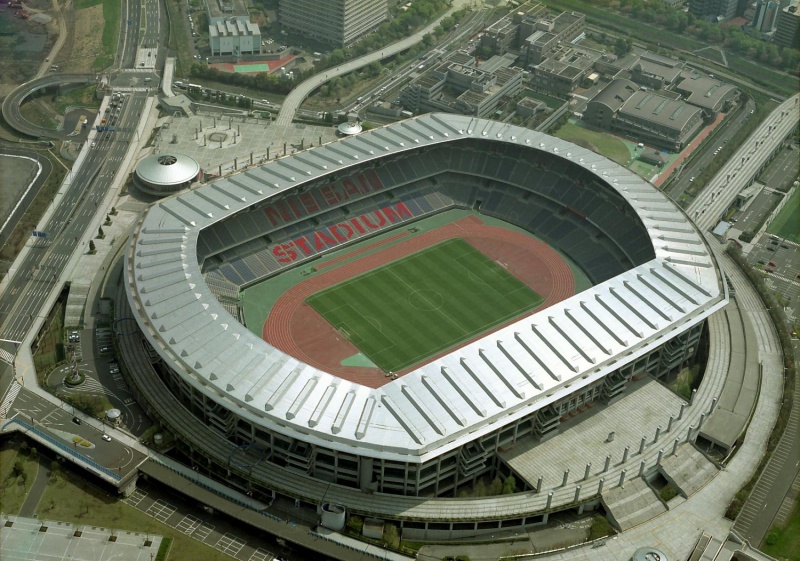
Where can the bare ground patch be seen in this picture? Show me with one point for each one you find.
(85, 41)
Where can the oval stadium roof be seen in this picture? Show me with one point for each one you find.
(453, 399)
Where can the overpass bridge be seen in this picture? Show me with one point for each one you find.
(11, 104)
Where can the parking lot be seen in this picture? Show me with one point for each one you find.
(211, 529)
(94, 357)
(780, 261)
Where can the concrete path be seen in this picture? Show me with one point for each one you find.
(36, 491)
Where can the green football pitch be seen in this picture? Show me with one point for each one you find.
(406, 311)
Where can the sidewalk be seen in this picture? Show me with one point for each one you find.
(686, 152)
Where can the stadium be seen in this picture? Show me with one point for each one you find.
(370, 322)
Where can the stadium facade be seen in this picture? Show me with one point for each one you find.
(263, 420)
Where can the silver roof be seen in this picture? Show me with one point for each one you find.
(167, 169)
(493, 381)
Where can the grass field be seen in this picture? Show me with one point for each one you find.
(111, 17)
(787, 223)
(596, 141)
(415, 307)
(784, 543)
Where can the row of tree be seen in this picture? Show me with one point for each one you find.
(420, 13)
(750, 46)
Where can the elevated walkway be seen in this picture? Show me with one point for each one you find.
(242, 508)
(76, 303)
(738, 398)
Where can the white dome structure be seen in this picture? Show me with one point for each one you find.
(349, 128)
(164, 174)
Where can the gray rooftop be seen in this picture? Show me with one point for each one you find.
(616, 93)
(665, 111)
(703, 91)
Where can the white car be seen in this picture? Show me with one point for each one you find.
(106, 438)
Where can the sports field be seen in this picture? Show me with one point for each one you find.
(415, 307)
(787, 223)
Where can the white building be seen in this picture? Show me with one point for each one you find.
(234, 36)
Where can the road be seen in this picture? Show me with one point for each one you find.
(744, 165)
(12, 102)
(62, 37)
(39, 271)
(718, 138)
(296, 97)
(10, 222)
(752, 156)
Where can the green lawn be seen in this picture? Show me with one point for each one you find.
(787, 223)
(596, 141)
(14, 489)
(784, 543)
(111, 22)
(71, 497)
(415, 307)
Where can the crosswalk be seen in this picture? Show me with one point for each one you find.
(9, 399)
(6, 356)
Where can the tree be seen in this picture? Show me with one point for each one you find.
(496, 487)
(390, 536)
(600, 528)
(509, 485)
(100, 233)
(355, 524)
(91, 246)
(374, 68)
(17, 470)
(480, 488)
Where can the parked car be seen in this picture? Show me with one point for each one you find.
(74, 337)
(105, 349)
(106, 438)
(76, 420)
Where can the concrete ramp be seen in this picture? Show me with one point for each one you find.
(76, 303)
(688, 470)
(632, 504)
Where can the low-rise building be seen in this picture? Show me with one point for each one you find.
(219, 10)
(236, 35)
(650, 117)
(564, 69)
(458, 85)
(528, 107)
(656, 71)
(706, 92)
(546, 33)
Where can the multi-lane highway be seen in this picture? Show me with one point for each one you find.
(80, 198)
(718, 140)
(743, 166)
